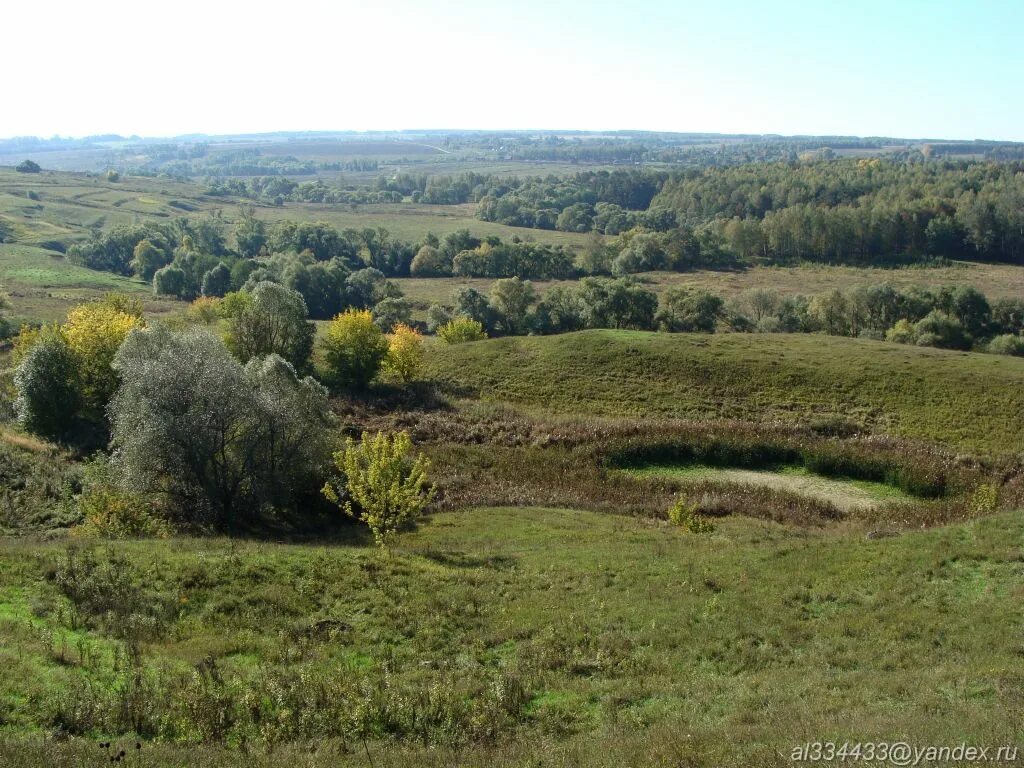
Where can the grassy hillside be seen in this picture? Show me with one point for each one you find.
(67, 205)
(513, 637)
(965, 400)
(42, 285)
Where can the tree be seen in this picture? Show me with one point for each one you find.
(469, 302)
(383, 481)
(5, 324)
(460, 330)
(618, 303)
(437, 315)
(64, 376)
(391, 312)
(47, 384)
(353, 349)
(169, 281)
(430, 262)
(94, 333)
(559, 311)
(405, 353)
(970, 307)
(147, 259)
(217, 282)
(762, 302)
(27, 166)
(213, 440)
(597, 257)
(273, 321)
(511, 299)
(578, 217)
(829, 311)
(250, 233)
(688, 310)
(368, 287)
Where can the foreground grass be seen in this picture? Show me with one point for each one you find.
(969, 401)
(624, 642)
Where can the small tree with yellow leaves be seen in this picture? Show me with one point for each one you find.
(94, 333)
(405, 353)
(385, 486)
(354, 349)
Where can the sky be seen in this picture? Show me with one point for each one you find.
(906, 68)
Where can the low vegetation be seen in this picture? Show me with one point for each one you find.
(582, 637)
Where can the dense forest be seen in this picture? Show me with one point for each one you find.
(837, 211)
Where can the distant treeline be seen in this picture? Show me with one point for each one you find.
(950, 318)
(196, 159)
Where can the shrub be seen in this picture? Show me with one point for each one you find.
(984, 500)
(354, 349)
(27, 166)
(937, 329)
(1007, 344)
(901, 333)
(686, 515)
(204, 311)
(461, 330)
(388, 486)
(112, 513)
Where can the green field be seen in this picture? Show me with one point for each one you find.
(42, 285)
(70, 204)
(965, 400)
(579, 638)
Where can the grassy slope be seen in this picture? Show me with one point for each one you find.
(970, 401)
(70, 204)
(42, 285)
(647, 646)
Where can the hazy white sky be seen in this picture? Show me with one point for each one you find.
(914, 68)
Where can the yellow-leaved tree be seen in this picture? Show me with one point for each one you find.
(385, 486)
(353, 348)
(94, 333)
(405, 353)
